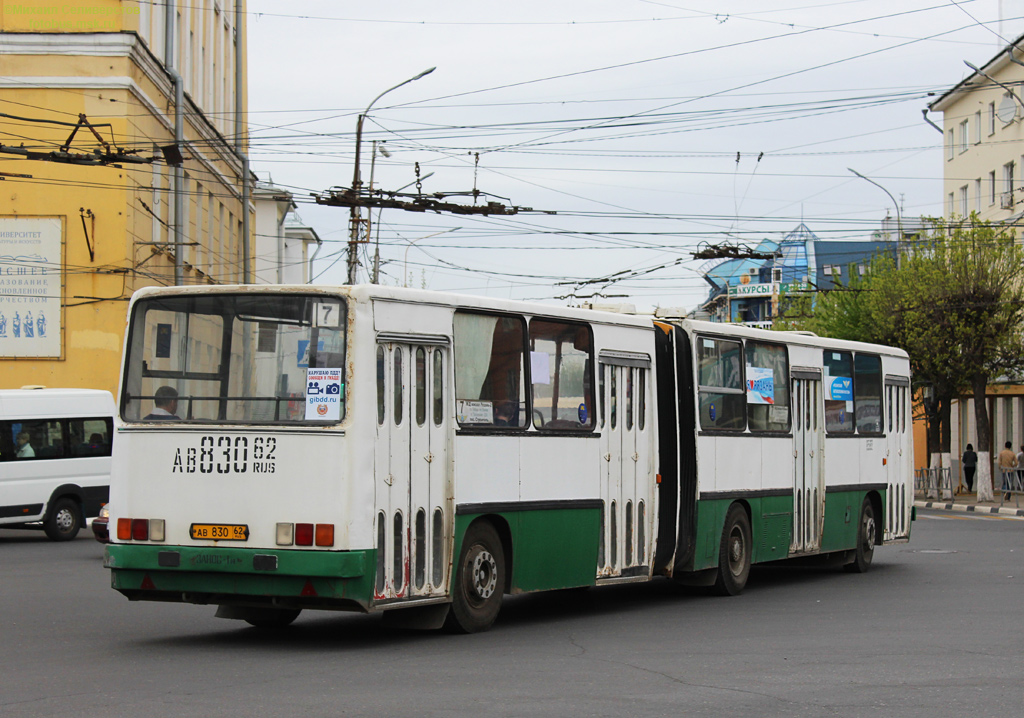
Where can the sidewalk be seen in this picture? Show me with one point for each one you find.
(969, 503)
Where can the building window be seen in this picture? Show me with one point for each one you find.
(992, 187)
(991, 118)
(977, 127)
(950, 146)
(977, 195)
(964, 211)
(965, 131)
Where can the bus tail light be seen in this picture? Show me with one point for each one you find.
(285, 534)
(140, 530)
(303, 534)
(325, 534)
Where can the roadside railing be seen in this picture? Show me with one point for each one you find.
(934, 483)
(1015, 480)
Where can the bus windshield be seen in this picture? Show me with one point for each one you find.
(236, 358)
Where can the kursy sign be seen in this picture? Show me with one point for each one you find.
(30, 287)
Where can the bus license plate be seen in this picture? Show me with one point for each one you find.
(219, 532)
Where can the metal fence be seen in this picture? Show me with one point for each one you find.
(934, 483)
(1011, 486)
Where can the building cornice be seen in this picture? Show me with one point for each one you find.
(999, 61)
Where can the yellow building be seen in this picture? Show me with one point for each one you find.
(983, 172)
(77, 239)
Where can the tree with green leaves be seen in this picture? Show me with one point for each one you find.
(955, 303)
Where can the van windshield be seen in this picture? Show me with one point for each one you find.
(236, 358)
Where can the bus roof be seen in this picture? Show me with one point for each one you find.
(367, 292)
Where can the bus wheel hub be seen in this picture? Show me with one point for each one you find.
(485, 574)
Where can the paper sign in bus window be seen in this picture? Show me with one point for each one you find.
(540, 367)
(323, 394)
(760, 385)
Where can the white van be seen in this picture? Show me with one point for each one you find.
(55, 449)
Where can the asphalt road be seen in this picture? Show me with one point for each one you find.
(933, 630)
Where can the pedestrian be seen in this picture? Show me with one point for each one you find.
(1007, 464)
(970, 464)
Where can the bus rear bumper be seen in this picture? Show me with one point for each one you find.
(331, 580)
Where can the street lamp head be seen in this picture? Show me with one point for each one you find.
(424, 73)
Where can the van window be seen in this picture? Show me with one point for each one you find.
(32, 439)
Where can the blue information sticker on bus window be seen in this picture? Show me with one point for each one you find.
(711, 412)
(841, 389)
(582, 413)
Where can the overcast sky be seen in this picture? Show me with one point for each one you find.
(649, 128)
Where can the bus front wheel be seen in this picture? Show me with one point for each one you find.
(865, 549)
(479, 581)
(734, 553)
(64, 520)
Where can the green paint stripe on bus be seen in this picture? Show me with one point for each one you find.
(551, 549)
(772, 525)
(334, 564)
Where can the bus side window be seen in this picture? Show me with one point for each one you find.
(561, 357)
(720, 384)
(381, 373)
(867, 384)
(438, 388)
(397, 388)
(490, 377)
(767, 387)
(600, 394)
(838, 392)
(641, 398)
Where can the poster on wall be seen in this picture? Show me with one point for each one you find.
(31, 273)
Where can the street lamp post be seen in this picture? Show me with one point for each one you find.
(405, 262)
(353, 244)
(899, 217)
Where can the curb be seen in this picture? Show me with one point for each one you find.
(969, 508)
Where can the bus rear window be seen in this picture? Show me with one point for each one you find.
(236, 358)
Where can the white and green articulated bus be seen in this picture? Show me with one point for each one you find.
(375, 449)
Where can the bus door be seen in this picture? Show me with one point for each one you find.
(897, 430)
(808, 461)
(411, 469)
(624, 537)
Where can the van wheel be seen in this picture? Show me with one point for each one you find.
(64, 520)
(734, 553)
(479, 581)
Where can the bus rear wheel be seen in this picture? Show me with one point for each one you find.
(64, 520)
(479, 581)
(734, 553)
(865, 549)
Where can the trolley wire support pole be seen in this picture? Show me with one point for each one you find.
(356, 218)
